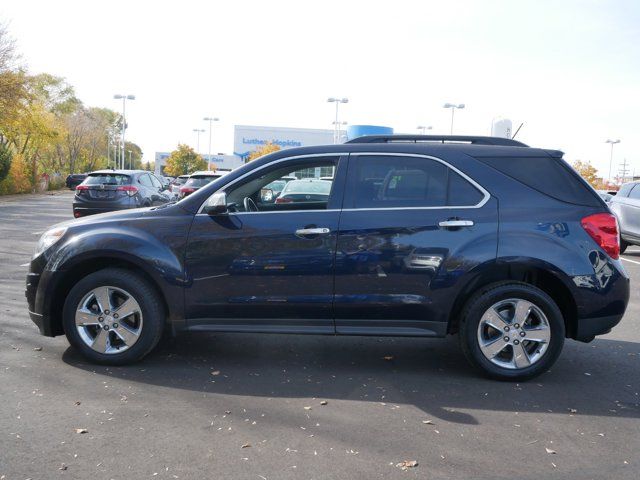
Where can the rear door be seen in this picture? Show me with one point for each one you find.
(410, 228)
(631, 212)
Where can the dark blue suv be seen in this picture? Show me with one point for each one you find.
(424, 236)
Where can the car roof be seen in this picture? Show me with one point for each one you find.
(119, 172)
(212, 173)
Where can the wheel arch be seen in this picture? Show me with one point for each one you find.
(534, 272)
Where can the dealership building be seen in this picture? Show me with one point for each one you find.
(248, 138)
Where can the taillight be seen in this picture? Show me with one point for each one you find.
(81, 188)
(128, 189)
(184, 191)
(603, 228)
(284, 200)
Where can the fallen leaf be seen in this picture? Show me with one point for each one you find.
(77, 403)
(38, 349)
(323, 402)
(63, 467)
(81, 430)
(427, 422)
(549, 451)
(407, 464)
(388, 357)
(228, 412)
(307, 408)
(573, 410)
(246, 445)
(215, 373)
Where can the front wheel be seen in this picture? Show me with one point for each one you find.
(113, 317)
(512, 331)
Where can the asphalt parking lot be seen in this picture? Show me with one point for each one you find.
(277, 407)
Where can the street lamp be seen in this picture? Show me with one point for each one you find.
(210, 120)
(337, 101)
(130, 164)
(198, 132)
(423, 129)
(453, 107)
(124, 99)
(612, 142)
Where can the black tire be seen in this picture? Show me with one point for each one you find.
(489, 296)
(151, 306)
(623, 246)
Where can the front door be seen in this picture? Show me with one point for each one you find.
(411, 227)
(268, 264)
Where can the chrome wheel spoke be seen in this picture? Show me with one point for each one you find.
(539, 334)
(522, 311)
(101, 342)
(493, 348)
(102, 297)
(520, 356)
(493, 318)
(129, 307)
(85, 318)
(127, 335)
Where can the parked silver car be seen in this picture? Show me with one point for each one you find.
(626, 206)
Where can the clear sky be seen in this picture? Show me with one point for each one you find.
(570, 70)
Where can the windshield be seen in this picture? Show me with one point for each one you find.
(180, 180)
(107, 179)
(305, 186)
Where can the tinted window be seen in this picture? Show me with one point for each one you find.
(155, 181)
(625, 189)
(107, 179)
(199, 181)
(145, 180)
(551, 176)
(635, 193)
(384, 182)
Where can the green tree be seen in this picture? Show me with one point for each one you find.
(5, 161)
(183, 161)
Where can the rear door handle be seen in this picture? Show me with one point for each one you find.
(456, 223)
(305, 232)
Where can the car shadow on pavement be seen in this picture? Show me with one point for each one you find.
(600, 378)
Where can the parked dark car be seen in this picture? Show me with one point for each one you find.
(198, 180)
(109, 190)
(502, 244)
(74, 180)
(626, 206)
(305, 190)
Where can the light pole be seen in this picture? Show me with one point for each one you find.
(423, 129)
(453, 107)
(336, 126)
(124, 99)
(337, 101)
(210, 120)
(130, 164)
(198, 132)
(612, 142)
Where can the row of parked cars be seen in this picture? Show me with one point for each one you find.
(108, 190)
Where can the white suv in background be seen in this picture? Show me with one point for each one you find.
(626, 206)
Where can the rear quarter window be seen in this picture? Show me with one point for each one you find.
(548, 175)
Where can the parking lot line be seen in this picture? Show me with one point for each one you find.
(632, 261)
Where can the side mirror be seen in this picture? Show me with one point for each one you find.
(266, 195)
(217, 204)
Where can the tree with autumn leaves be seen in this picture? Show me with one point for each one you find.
(184, 161)
(590, 174)
(263, 150)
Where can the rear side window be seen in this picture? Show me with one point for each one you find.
(548, 175)
(625, 189)
(635, 193)
(107, 179)
(399, 181)
(145, 180)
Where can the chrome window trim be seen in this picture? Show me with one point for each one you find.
(485, 199)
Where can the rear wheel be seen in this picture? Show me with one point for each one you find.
(113, 317)
(512, 331)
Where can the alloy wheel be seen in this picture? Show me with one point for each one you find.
(514, 333)
(109, 320)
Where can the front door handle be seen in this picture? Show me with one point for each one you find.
(305, 232)
(456, 223)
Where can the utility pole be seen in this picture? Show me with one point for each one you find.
(623, 171)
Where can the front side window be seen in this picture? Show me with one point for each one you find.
(288, 186)
(145, 180)
(399, 181)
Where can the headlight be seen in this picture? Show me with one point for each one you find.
(49, 238)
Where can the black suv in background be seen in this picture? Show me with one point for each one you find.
(74, 180)
(108, 190)
(502, 244)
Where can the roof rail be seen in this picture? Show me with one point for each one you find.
(474, 140)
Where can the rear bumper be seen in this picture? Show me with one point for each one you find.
(589, 328)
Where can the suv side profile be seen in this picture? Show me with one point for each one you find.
(626, 206)
(502, 244)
